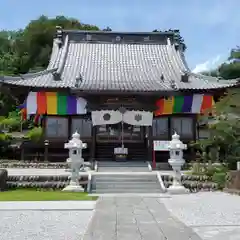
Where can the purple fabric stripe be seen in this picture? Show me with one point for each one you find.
(187, 105)
(71, 105)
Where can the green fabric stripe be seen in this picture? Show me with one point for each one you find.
(61, 104)
(178, 103)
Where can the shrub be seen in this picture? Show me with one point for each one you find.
(4, 142)
(12, 124)
(35, 134)
(211, 170)
(198, 168)
(220, 179)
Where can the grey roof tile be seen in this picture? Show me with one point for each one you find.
(117, 66)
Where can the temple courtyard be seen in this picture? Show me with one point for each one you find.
(199, 216)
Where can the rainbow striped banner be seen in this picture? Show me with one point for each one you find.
(54, 103)
(197, 103)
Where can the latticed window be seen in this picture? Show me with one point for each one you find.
(83, 126)
(56, 127)
(182, 126)
(160, 127)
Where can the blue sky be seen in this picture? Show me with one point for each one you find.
(210, 27)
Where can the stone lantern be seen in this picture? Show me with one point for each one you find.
(75, 146)
(176, 161)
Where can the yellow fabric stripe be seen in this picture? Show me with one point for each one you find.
(168, 105)
(51, 103)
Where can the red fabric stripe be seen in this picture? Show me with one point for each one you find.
(160, 107)
(24, 114)
(41, 103)
(207, 103)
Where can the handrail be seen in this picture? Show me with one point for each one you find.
(149, 166)
(89, 182)
(161, 181)
(96, 166)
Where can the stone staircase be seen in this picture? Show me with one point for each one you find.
(125, 183)
(136, 151)
(128, 166)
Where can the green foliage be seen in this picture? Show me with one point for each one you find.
(5, 137)
(5, 141)
(198, 169)
(230, 71)
(29, 49)
(216, 168)
(220, 179)
(224, 138)
(177, 37)
(11, 124)
(35, 134)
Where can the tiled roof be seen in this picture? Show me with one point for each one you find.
(97, 65)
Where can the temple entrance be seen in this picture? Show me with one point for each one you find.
(109, 137)
(114, 133)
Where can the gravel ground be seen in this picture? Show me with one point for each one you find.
(213, 215)
(43, 221)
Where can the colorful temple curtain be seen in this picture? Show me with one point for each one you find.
(197, 103)
(53, 103)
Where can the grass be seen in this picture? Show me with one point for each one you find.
(35, 195)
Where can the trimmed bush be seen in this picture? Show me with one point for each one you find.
(35, 134)
(13, 124)
(194, 183)
(3, 179)
(220, 179)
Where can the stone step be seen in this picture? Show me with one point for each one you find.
(127, 181)
(122, 165)
(109, 175)
(123, 170)
(125, 186)
(127, 191)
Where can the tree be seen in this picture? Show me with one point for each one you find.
(177, 37)
(29, 49)
(38, 38)
(107, 29)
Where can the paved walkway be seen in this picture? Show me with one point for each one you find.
(135, 218)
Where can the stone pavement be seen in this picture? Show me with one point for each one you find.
(57, 220)
(212, 215)
(135, 218)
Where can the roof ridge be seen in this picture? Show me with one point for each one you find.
(63, 57)
(116, 32)
(27, 75)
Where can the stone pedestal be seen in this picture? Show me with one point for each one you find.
(73, 188)
(177, 189)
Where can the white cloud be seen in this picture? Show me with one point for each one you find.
(209, 64)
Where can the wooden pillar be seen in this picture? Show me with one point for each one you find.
(69, 127)
(194, 127)
(150, 144)
(93, 144)
(169, 128)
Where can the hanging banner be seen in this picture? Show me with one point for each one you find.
(138, 118)
(104, 117)
(196, 103)
(55, 103)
